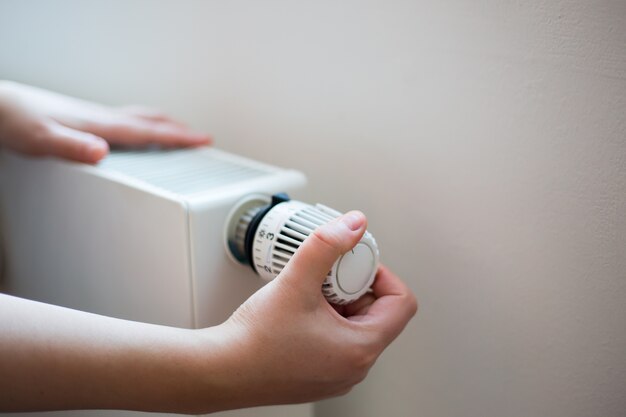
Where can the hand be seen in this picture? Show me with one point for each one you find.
(290, 345)
(42, 123)
(285, 344)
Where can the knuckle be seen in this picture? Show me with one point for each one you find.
(344, 391)
(39, 138)
(355, 378)
(328, 237)
(362, 358)
(325, 237)
(360, 377)
(412, 304)
(352, 366)
(40, 131)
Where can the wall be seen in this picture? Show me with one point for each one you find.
(485, 140)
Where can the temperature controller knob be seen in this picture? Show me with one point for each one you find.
(266, 233)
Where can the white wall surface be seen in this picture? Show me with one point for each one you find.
(485, 140)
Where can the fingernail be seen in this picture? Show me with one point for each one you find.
(354, 220)
(202, 138)
(198, 138)
(96, 150)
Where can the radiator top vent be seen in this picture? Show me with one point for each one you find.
(183, 171)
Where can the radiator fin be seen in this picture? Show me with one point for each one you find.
(182, 171)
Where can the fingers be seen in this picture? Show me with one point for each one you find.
(136, 131)
(38, 122)
(395, 305)
(360, 307)
(67, 143)
(310, 264)
(150, 114)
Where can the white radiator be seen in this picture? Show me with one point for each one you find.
(139, 236)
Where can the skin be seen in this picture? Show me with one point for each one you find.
(285, 344)
(42, 123)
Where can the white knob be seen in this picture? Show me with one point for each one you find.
(267, 237)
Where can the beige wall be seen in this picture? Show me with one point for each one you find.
(486, 141)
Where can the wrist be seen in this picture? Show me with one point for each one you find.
(222, 373)
(194, 372)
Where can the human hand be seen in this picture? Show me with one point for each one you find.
(42, 123)
(287, 344)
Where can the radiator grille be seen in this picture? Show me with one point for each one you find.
(182, 171)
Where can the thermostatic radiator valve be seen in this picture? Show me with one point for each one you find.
(265, 233)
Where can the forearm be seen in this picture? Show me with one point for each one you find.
(285, 344)
(57, 358)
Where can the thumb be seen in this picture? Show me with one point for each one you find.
(311, 263)
(75, 145)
